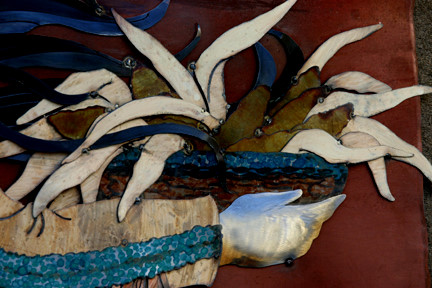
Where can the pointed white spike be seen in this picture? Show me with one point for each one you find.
(386, 137)
(263, 230)
(333, 44)
(115, 90)
(324, 145)
(369, 105)
(39, 166)
(357, 81)
(237, 39)
(90, 186)
(148, 168)
(74, 173)
(163, 61)
(217, 103)
(377, 166)
(149, 106)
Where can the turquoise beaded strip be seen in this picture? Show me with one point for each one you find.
(113, 265)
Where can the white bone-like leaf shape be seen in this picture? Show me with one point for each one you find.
(115, 91)
(326, 146)
(74, 173)
(90, 186)
(156, 105)
(237, 39)
(217, 103)
(262, 229)
(357, 81)
(163, 61)
(39, 167)
(369, 105)
(148, 168)
(377, 166)
(333, 44)
(386, 137)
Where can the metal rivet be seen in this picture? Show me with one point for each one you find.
(192, 66)
(85, 150)
(289, 262)
(203, 110)
(320, 99)
(294, 80)
(124, 242)
(116, 106)
(129, 62)
(188, 148)
(138, 200)
(216, 130)
(221, 121)
(258, 132)
(267, 120)
(228, 106)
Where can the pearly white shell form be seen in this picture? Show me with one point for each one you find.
(262, 229)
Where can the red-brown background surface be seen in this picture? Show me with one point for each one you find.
(369, 242)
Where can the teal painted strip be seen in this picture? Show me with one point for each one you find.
(113, 265)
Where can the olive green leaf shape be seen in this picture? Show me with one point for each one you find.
(145, 83)
(307, 80)
(75, 124)
(265, 143)
(331, 122)
(246, 119)
(294, 112)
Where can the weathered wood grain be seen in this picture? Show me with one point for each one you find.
(94, 227)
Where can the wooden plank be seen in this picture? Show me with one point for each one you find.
(94, 227)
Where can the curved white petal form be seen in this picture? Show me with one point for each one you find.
(217, 102)
(377, 166)
(113, 88)
(148, 168)
(74, 173)
(357, 81)
(39, 167)
(163, 61)
(386, 137)
(237, 39)
(90, 186)
(333, 44)
(369, 105)
(326, 146)
(156, 105)
(262, 229)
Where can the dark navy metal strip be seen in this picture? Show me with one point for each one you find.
(38, 87)
(294, 61)
(266, 66)
(24, 21)
(188, 49)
